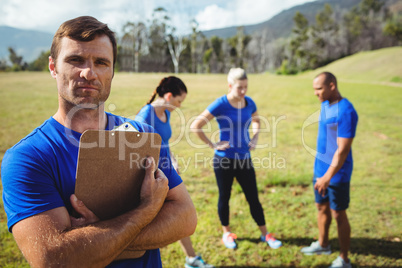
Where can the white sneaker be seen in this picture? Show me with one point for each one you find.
(340, 263)
(229, 239)
(316, 248)
(197, 262)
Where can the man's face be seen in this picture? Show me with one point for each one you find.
(321, 90)
(84, 72)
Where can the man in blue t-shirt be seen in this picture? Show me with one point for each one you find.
(38, 173)
(333, 166)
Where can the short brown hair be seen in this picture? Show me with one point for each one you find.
(84, 28)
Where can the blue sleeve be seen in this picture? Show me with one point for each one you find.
(165, 162)
(144, 115)
(215, 107)
(347, 124)
(28, 188)
(253, 106)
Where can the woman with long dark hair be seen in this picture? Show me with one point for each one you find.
(168, 96)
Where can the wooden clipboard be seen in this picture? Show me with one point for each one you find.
(111, 168)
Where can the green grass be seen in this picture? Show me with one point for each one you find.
(284, 179)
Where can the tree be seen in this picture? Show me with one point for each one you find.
(158, 30)
(3, 65)
(17, 61)
(41, 63)
(237, 47)
(134, 41)
(165, 34)
(206, 59)
(195, 35)
(176, 46)
(324, 34)
(394, 28)
(216, 45)
(364, 26)
(299, 57)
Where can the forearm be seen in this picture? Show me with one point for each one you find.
(204, 138)
(337, 162)
(95, 245)
(52, 239)
(176, 219)
(199, 123)
(255, 127)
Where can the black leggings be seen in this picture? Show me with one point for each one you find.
(226, 170)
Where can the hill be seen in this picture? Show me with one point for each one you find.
(27, 43)
(281, 24)
(377, 66)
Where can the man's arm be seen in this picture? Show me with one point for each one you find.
(340, 155)
(176, 219)
(49, 240)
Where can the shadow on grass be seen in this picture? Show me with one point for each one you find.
(359, 245)
(248, 266)
(252, 240)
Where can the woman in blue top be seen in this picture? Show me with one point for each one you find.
(235, 112)
(168, 96)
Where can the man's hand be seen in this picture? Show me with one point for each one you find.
(154, 188)
(321, 185)
(87, 216)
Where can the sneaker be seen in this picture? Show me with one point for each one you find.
(197, 261)
(229, 240)
(272, 242)
(316, 248)
(340, 263)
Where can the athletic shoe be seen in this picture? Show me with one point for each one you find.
(228, 239)
(340, 263)
(271, 241)
(316, 248)
(197, 261)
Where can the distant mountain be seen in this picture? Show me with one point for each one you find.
(27, 43)
(30, 44)
(281, 24)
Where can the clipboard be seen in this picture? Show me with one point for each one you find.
(111, 168)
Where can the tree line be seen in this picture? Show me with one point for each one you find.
(155, 46)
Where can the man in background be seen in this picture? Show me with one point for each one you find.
(333, 167)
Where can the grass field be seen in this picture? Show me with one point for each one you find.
(284, 164)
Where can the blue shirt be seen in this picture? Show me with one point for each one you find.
(38, 174)
(147, 115)
(336, 120)
(233, 126)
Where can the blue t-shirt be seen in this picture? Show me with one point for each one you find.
(38, 174)
(147, 115)
(336, 120)
(233, 126)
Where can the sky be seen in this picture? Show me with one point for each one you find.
(47, 15)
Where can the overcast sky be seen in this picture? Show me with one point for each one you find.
(47, 15)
